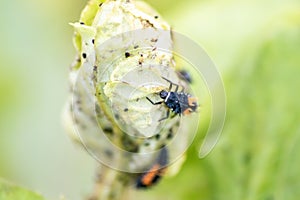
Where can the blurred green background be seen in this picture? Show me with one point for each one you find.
(256, 46)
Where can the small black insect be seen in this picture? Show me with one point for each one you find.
(183, 74)
(178, 102)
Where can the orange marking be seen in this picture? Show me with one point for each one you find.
(192, 101)
(187, 111)
(150, 175)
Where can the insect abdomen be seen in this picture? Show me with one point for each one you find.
(154, 174)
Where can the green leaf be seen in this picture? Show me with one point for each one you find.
(9, 191)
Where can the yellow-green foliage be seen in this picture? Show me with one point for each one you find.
(9, 191)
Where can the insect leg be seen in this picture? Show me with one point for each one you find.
(166, 117)
(182, 89)
(156, 103)
(176, 89)
(171, 84)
